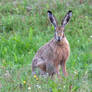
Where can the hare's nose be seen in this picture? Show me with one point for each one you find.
(58, 39)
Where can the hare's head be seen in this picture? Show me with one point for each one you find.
(59, 30)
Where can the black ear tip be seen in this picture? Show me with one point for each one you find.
(70, 11)
(49, 11)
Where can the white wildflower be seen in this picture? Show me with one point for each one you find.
(29, 88)
(91, 36)
(38, 86)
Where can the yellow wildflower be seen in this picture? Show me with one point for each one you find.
(35, 76)
(24, 82)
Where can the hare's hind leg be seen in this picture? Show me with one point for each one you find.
(42, 66)
(38, 64)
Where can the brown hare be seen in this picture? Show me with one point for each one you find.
(56, 52)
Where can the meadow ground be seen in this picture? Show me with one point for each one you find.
(24, 27)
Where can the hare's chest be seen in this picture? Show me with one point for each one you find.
(62, 53)
(66, 52)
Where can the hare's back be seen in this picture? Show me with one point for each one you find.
(46, 52)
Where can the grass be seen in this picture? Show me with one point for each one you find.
(24, 28)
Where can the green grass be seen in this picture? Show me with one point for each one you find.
(24, 28)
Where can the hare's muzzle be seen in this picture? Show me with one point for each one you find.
(58, 38)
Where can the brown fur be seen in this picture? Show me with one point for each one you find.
(54, 53)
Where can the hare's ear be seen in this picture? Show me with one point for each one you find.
(52, 18)
(66, 18)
